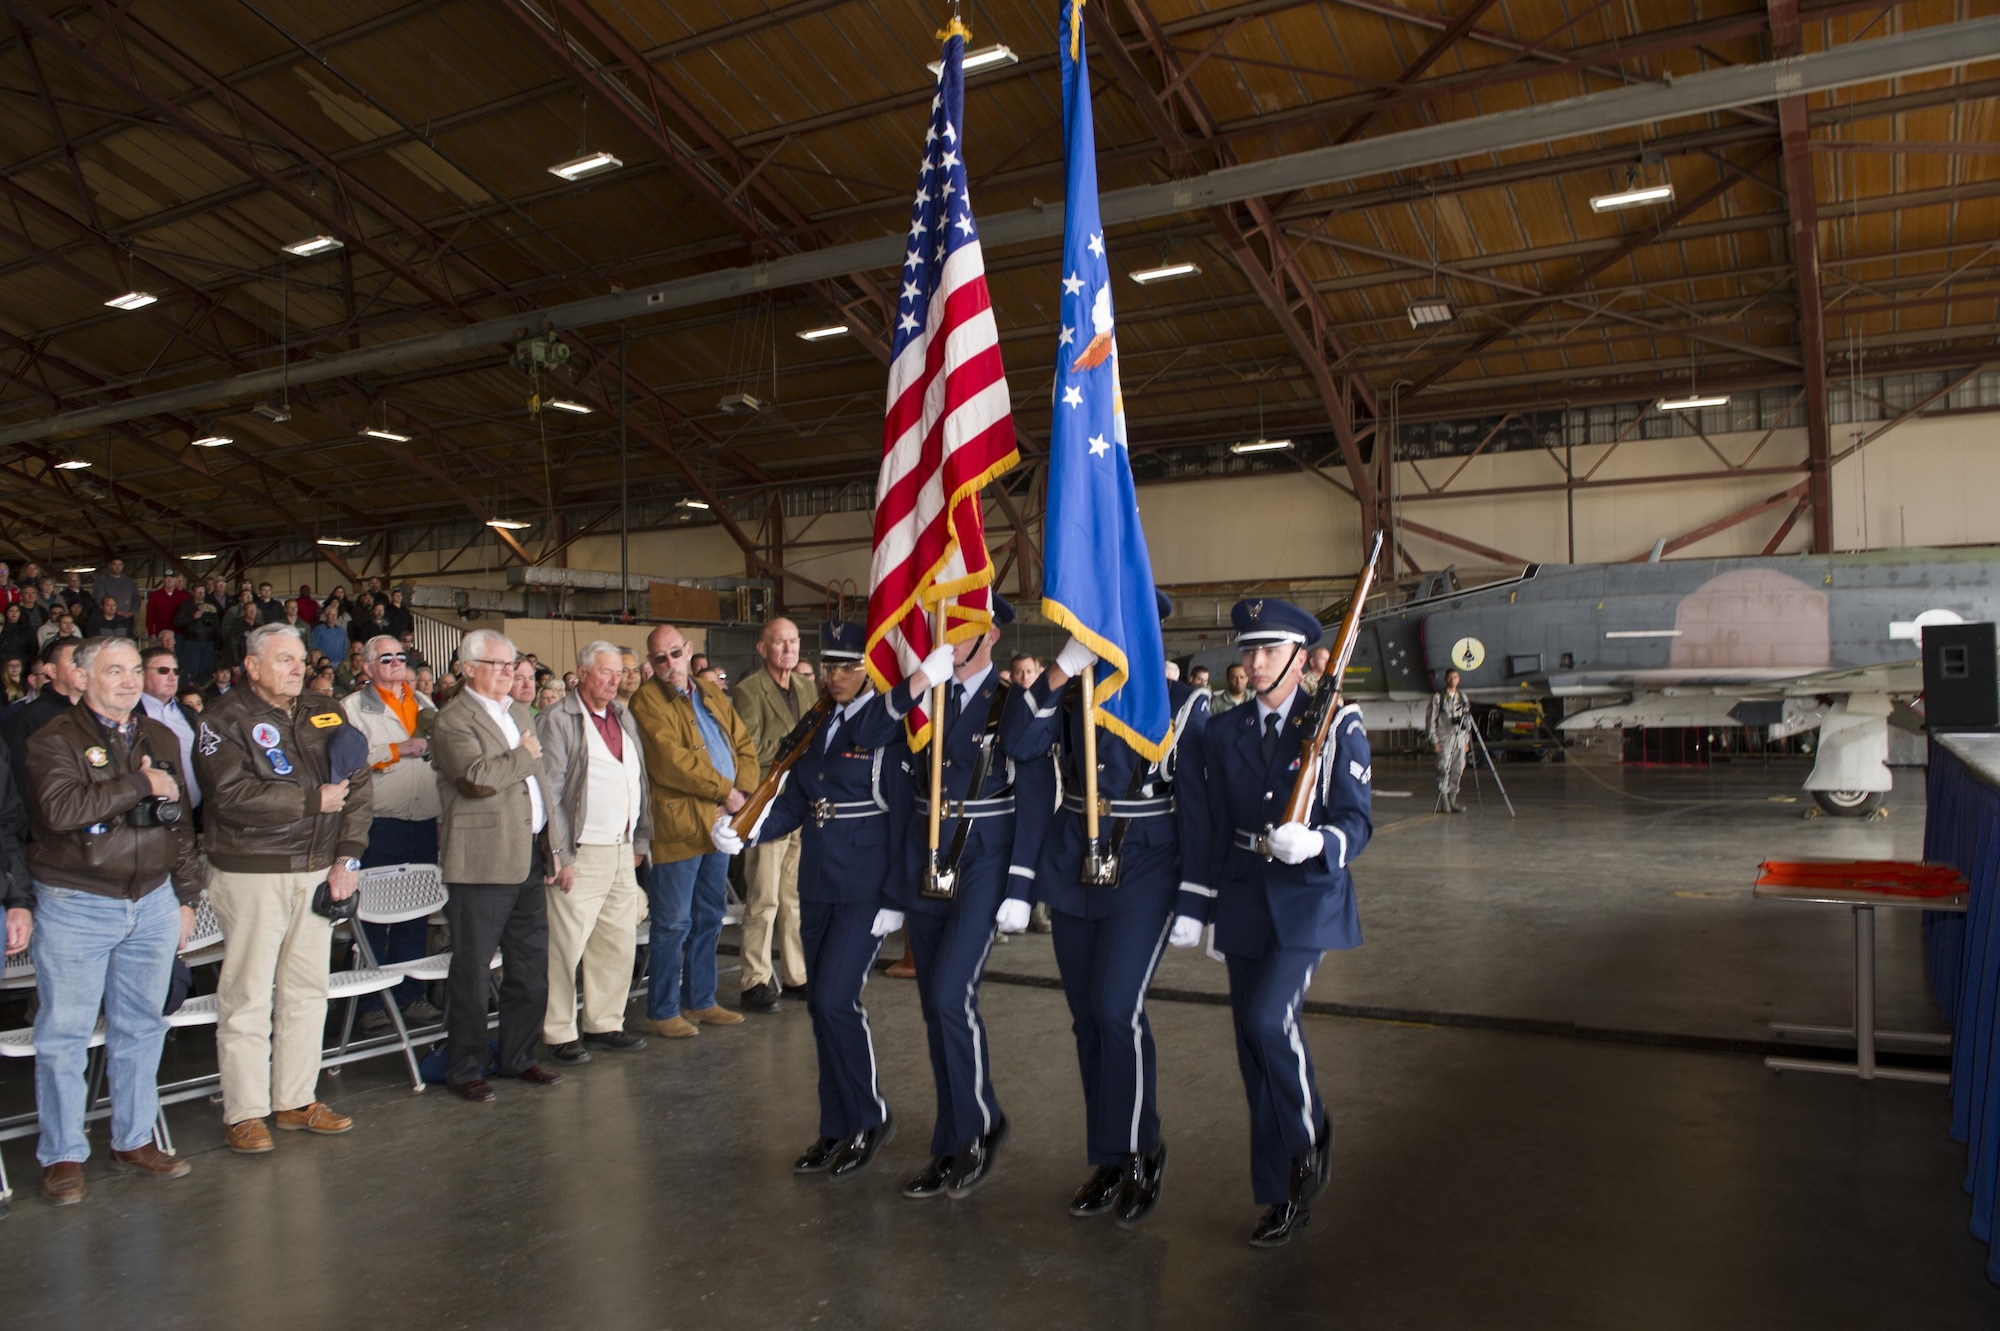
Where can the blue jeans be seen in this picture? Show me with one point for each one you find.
(685, 899)
(91, 950)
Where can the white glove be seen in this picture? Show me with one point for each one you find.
(1295, 843)
(1074, 657)
(937, 667)
(1186, 932)
(723, 834)
(1013, 916)
(886, 923)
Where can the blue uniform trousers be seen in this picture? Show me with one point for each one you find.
(1106, 967)
(1286, 1113)
(840, 951)
(951, 952)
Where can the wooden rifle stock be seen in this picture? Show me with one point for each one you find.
(792, 748)
(1319, 717)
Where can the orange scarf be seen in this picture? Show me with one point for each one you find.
(406, 712)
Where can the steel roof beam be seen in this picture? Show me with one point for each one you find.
(1802, 205)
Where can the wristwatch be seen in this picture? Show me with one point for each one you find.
(351, 864)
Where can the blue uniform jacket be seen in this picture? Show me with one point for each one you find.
(1308, 905)
(844, 861)
(1163, 856)
(1008, 844)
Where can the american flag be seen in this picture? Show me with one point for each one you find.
(949, 427)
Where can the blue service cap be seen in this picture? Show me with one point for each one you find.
(1166, 606)
(346, 753)
(845, 641)
(1264, 620)
(1003, 611)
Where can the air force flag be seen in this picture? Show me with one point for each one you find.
(1098, 578)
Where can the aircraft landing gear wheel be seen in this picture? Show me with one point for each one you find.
(1849, 803)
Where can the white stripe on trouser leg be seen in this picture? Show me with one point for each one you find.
(978, 1039)
(1138, 1045)
(868, 1034)
(1299, 1051)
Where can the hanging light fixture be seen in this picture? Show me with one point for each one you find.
(508, 524)
(1166, 272)
(132, 300)
(313, 246)
(211, 441)
(1694, 401)
(986, 57)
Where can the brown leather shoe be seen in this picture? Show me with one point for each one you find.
(673, 1028)
(315, 1117)
(151, 1161)
(714, 1016)
(475, 1090)
(905, 969)
(248, 1137)
(536, 1075)
(62, 1183)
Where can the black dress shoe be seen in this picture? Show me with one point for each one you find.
(1278, 1225)
(858, 1151)
(618, 1042)
(795, 991)
(818, 1156)
(536, 1075)
(570, 1052)
(759, 998)
(475, 1090)
(1139, 1186)
(1311, 1170)
(975, 1162)
(931, 1179)
(1099, 1192)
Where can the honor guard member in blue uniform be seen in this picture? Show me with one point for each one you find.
(835, 792)
(1283, 898)
(1109, 939)
(952, 916)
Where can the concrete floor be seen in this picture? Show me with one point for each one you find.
(1482, 1178)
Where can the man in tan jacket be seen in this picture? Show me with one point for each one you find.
(771, 701)
(700, 762)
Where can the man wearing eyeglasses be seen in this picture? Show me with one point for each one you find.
(492, 847)
(700, 762)
(396, 720)
(159, 700)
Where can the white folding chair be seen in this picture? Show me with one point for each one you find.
(19, 972)
(20, 1043)
(204, 945)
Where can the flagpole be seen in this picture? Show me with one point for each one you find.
(937, 741)
(1090, 760)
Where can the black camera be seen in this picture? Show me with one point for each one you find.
(154, 811)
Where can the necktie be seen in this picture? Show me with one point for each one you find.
(954, 703)
(832, 725)
(1268, 745)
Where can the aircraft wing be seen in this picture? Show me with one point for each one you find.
(1905, 678)
(1894, 677)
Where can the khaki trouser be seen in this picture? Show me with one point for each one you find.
(771, 905)
(271, 998)
(596, 923)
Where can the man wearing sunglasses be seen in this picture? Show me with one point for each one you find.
(700, 762)
(396, 720)
(158, 700)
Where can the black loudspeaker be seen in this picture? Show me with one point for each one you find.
(1961, 677)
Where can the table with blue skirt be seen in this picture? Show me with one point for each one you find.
(1962, 954)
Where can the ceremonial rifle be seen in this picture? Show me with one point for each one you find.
(790, 749)
(1321, 711)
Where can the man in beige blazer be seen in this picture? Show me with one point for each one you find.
(771, 700)
(491, 846)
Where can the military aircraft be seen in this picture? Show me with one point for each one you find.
(1792, 642)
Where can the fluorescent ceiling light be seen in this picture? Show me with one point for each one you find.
(694, 503)
(1260, 446)
(71, 464)
(313, 245)
(987, 57)
(390, 435)
(1165, 272)
(1692, 402)
(508, 524)
(212, 441)
(199, 554)
(132, 300)
(1426, 313)
(822, 334)
(1636, 197)
(1643, 633)
(587, 165)
(564, 404)
(82, 568)
(340, 541)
